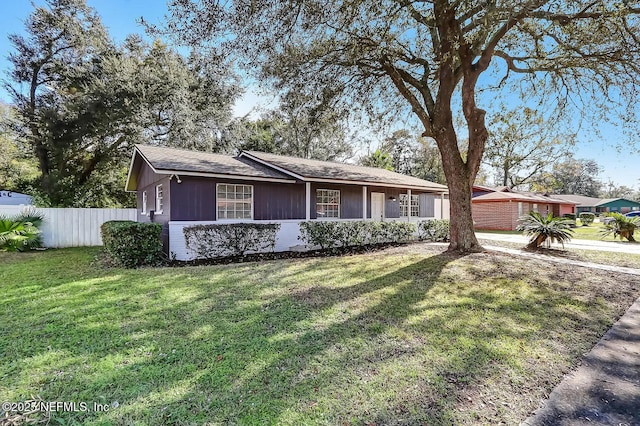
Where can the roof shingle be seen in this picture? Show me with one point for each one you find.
(326, 170)
(260, 165)
(204, 162)
(517, 196)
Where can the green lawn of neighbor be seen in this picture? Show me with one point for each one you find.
(401, 336)
(627, 260)
(591, 232)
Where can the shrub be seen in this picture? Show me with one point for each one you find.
(132, 244)
(232, 239)
(545, 229)
(621, 226)
(21, 232)
(321, 233)
(397, 232)
(433, 230)
(587, 218)
(571, 218)
(331, 234)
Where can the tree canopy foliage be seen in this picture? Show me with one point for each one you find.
(299, 127)
(16, 165)
(572, 176)
(405, 152)
(430, 58)
(379, 159)
(522, 144)
(81, 102)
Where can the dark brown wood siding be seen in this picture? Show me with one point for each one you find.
(392, 201)
(350, 199)
(147, 181)
(275, 201)
(195, 199)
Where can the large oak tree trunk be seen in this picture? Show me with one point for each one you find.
(463, 238)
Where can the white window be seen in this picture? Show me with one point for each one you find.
(407, 208)
(520, 209)
(144, 202)
(327, 203)
(234, 201)
(159, 199)
(535, 208)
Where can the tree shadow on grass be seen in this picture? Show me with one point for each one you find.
(258, 346)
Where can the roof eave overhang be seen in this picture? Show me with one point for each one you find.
(127, 184)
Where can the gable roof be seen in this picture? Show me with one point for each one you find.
(196, 163)
(518, 196)
(327, 171)
(253, 165)
(580, 200)
(584, 201)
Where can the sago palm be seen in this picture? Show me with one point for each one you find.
(545, 229)
(621, 226)
(17, 235)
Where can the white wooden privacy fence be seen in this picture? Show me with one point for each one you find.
(73, 227)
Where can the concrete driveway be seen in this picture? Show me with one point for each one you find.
(613, 246)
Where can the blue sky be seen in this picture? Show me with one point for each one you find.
(120, 16)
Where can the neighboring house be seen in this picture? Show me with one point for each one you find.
(178, 188)
(501, 210)
(9, 198)
(479, 190)
(600, 205)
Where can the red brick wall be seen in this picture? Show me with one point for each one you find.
(496, 215)
(567, 208)
(502, 215)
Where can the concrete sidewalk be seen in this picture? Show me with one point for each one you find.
(613, 246)
(533, 255)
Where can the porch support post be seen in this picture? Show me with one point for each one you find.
(308, 201)
(442, 206)
(408, 205)
(364, 202)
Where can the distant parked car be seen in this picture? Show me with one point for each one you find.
(608, 219)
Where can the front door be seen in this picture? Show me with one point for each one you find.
(377, 206)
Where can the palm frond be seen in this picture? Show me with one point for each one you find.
(545, 229)
(621, 226)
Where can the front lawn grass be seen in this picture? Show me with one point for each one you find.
(394, 337)
(591, 232)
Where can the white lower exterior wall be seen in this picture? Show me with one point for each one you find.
(441, 208)
(286, 239)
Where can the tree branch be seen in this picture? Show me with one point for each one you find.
(417, 108)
